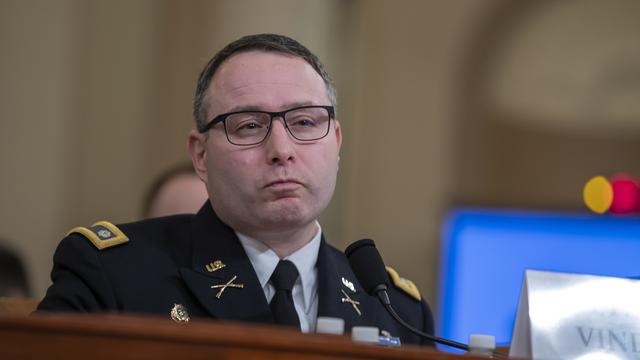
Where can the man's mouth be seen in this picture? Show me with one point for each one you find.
(284, 187)
(283, 183)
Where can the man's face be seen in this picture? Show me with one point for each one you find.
(281, 184)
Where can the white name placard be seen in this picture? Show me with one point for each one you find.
(582, 317)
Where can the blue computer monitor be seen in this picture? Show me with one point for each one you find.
(485, 253)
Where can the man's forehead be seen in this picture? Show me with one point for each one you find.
(261, 107)
(259, 78)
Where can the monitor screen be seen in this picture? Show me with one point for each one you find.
(486, 252)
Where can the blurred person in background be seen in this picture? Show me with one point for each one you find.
(13, 277)
(176, 191)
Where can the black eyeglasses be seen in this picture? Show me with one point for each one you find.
(304, 123)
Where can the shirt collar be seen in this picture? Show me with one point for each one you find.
(265, 260)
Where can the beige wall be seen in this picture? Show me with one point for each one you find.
(95, 101)
(37, 117)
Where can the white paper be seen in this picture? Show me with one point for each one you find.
(582, 317)
(521, 339)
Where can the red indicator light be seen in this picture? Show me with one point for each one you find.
(626, 194)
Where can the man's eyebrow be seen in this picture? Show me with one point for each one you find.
(261, 108)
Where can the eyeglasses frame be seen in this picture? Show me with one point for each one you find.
(272, 114)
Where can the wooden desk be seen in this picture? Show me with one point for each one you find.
(112, 337)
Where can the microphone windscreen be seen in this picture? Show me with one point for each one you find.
(367, 265)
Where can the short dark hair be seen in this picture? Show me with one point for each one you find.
(263, 42)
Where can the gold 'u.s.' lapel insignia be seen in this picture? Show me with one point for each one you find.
(348, 284)
(214, 266)
(224, 287)
(179, 314)
(102, 234)
(353, 303)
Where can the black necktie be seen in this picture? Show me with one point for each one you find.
(283, 278)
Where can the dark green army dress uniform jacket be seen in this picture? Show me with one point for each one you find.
(151, 265)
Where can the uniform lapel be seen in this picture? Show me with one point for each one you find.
(333, 267)
(243, 299)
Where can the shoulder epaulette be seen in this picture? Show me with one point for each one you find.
(102, 234)
(403, 284)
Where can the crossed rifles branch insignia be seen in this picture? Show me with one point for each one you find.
(353, 303)
(223, 287)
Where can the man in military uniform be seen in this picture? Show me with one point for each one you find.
(266, 145)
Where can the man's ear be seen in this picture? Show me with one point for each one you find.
(338, 131)
(196, 145)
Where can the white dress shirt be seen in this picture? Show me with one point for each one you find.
(305, 290)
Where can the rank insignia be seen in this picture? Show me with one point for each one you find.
(214, 266)
(404, 284)
(179, 314)
(102, 234)
(224, 287)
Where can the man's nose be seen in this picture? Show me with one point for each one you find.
(280, 145)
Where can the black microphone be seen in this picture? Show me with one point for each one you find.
(367, 265)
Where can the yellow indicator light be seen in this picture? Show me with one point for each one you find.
(598, 194)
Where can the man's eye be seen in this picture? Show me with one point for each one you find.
(304, 122)
(250, 126)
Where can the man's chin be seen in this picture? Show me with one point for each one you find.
(289, 214)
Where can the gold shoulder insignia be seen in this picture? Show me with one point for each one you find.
(102, 234)
(404, 284)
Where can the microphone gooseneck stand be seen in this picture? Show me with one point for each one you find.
(367, 265)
